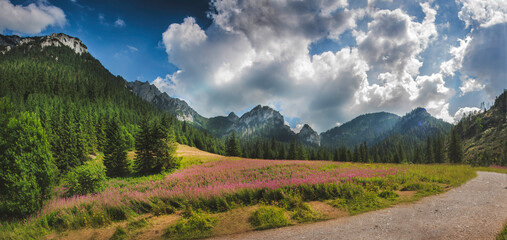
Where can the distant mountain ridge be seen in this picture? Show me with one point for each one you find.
(365, 128)
(261, 121)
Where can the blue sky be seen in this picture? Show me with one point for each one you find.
(320, 62)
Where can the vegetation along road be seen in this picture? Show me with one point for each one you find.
(476, 210)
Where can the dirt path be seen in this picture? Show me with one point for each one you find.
(476, 210)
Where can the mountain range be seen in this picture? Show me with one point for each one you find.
(261, 121)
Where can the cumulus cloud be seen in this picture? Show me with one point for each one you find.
(258, 52)
(466, 111)
(30, 19)
(458, 53)
(469, 85)
(485, 12)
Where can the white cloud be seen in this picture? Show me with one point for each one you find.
(119, 23)
(132, 48)
(469, 85)
(485, 12)
(451, 66)
(257, 52)
(30, 19)
(184, 36)
(298, 128)
(465, 112)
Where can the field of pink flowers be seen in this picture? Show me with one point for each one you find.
(223, 177)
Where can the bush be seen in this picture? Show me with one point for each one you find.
(27, 169)
(194, 225)
(85, 179)
(269, 217)
(388, 194)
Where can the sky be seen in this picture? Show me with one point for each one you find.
(321, 62)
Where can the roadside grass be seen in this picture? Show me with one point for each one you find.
(267, 217)
(194, 224)
(353, 194)
(503, 234)
(497, 169)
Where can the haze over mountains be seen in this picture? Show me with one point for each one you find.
(266, 122)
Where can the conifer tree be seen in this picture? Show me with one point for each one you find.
(233, 148)
(455, 151)
(292, 155)
(336, 156)
(282, 154)
(438, 147)
(164, 147)
(115, 155)
(144, 149)
(429, 151)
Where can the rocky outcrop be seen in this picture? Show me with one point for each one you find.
(55, 39)
(175, 106)
(308, 135)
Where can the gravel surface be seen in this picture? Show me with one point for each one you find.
(475, 210)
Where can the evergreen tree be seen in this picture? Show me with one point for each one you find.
(336, 156)
(282, 154)
(402, 156)
(438, 147)
(356, 157)
(164, 147)
(233, 147)
(455, 151)
(429, 151)
(292, 155)
(144, 149)
(418, 155)
(115, 155)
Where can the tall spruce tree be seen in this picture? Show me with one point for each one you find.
(233, 148)
(429, 157)
(164, 147)
(144, 149)
(455, 151)
(292, 154)
(115, 154)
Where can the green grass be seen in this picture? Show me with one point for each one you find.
(503, 234)
(267, 217)
(193, 225)
(491, 169)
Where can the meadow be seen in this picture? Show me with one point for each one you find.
(207, 185)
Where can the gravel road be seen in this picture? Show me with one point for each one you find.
(475, 210)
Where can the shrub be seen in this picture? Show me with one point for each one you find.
(388, 194)
(27, 169)
(269, 217)
(194, 225)
(85, 179)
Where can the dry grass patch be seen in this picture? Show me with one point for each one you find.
(234, 221)
(327, 211)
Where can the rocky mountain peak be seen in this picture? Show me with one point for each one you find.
(232, 116)
(308, 135)
(55, 39)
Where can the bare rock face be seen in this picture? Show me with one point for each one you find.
(308, 135)
(175, 106)
(55, 39)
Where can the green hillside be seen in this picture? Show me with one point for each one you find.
(485, 135)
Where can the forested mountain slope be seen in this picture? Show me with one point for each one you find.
(484, 134)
